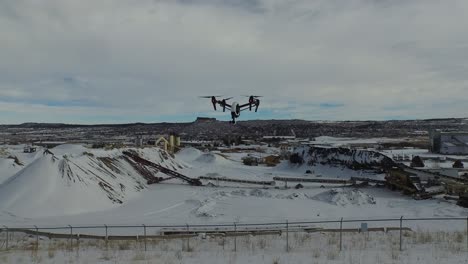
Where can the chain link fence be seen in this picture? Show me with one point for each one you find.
(142, 234)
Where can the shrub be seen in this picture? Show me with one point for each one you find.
(417, 162)
(296, 159)
(458, 164)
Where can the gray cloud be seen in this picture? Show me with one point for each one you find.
(247, 5)
(154, 57)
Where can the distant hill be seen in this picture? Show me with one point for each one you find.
(207, 128)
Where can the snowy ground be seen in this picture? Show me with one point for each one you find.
(79, 186)
(342, 141)
(176, 203)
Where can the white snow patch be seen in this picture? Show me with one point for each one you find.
(205, 208)
(189, 154)
(345, 197)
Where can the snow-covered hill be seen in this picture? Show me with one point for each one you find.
(13, 159)
(71, 179)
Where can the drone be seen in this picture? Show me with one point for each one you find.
(235, 107)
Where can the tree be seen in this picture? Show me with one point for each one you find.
(417, 162)
(296, 159)
(458, 164)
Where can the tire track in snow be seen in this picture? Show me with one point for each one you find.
(165, 209)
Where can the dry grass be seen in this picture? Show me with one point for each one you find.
(51, 252)
(332, 254)
(139, 256)
(395, 252)
(106, 256)
(319, 246)
(333, 239)
(276, 260)
(262, 243)
(126, 245)
(316, 253)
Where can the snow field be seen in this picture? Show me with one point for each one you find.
(79, 186)
(62, 188)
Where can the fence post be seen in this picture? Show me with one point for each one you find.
(466, 233)
(37, 237)
(341, 234)
(71, 237)
(224, 240)
(401, 233)
(106, 237)
(78, 242)
(188, 238)
(287, 236)
(7, 237)
(235, 237)
(144, 232)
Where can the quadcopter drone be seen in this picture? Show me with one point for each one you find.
(235, 107)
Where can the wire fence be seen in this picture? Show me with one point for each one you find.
(143, 233)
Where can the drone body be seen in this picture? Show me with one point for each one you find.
(235, 107)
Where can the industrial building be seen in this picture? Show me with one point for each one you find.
(450, 143)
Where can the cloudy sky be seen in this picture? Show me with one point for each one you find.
(114, 61)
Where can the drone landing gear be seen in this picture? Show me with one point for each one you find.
(233, 116)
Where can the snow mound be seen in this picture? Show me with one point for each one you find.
(260, 193)
(68, 149)
(205, 208)
(77, 182)
(189, 154)
(345, 197)
(211, 158)
(293, 196)
(206, 158)
(8, 168)
(240, 192)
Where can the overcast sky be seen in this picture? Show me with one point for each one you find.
(113, 61)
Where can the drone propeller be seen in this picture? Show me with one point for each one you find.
(253, 101)
(210, 96)
(214, 101)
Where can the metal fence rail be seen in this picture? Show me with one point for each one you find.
(140, 232)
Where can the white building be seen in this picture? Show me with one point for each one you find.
(451, 143)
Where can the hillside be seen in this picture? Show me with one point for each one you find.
(71, 179)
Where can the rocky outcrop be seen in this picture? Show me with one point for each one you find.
(355, 159)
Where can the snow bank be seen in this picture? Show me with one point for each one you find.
(259, 193)
(205, 208)
(8, 167)
(188, 154)
(211, 159)
(345, 197)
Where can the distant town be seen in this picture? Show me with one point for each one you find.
(211, 132)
